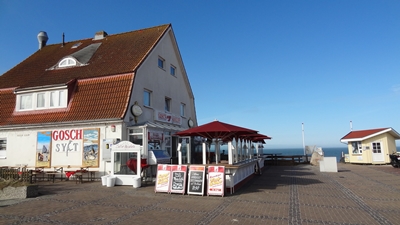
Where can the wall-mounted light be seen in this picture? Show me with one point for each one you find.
(113, 128)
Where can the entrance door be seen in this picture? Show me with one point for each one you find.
(377, 152)
(184, 149)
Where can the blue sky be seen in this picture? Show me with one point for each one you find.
(265, 65)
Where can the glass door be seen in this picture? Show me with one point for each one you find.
(184, 150)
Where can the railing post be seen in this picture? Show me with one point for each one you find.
(30, 177)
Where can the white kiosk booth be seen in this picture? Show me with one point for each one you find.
(126, 163)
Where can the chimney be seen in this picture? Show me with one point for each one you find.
(100, 35)
(63, 37)
(42, 38)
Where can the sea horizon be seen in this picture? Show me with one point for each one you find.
(328, 152)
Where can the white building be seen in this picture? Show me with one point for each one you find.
(69, 102)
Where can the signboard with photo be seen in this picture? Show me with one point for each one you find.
(196, 180)
(163, 178)
(43, 149)
(216, 180)
(90, 153)
(178, 179)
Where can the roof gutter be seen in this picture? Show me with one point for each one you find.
(70, 123)
(390, 130)
(46, 87)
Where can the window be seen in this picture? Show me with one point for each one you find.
(57, 98)
(147, 98)
(3, 148)
(67, 62)
(183, 106)
(172, 70)
(161, 62)
(42, 100)
(167, 104)
(357, 147)
(136, 137)
(376, 147)
(25, 101)
(123, 161)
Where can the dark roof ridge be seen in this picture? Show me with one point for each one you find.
(139, 30)
(109, 35)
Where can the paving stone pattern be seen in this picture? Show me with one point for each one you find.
(290, 195)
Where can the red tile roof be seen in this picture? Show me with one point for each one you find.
(102, 87)
(362, 134)
(117, 54)
(95, 99)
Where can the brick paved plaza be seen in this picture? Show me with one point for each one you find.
(357, 194)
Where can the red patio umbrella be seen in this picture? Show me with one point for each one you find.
(217, 129)
(255, 137)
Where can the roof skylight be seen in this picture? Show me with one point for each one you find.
(76, 45)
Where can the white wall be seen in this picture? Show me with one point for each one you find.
(149, 76)
(22, 145)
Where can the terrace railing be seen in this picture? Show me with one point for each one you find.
(12, 173)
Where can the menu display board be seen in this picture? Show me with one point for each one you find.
(178, 179)
(196, 180)
(163, 178)
(216, 180)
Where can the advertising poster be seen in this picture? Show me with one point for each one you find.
(178, 179)
(163, 178)
(106, 150)
(43, 151)
(90, 152)
(216, 180)
(196, 180)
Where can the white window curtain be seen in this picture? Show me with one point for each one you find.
(26, 102)
(62, 98)
(41, 100)
(53, 99)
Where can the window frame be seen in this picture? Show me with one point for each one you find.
(20, 102)
(183, 109)
(161, 63)
(376, 147)
(172, 70)
(357, 147)
(33, 104)
(44, 100)
(3, 148)
(147, 101)
(68, 62)
(167, 105)
(59, 97)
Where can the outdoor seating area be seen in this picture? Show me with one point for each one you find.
(35, 174)
(78, 173)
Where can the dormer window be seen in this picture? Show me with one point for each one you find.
(52, 98)
(67, 62)
(78, 58)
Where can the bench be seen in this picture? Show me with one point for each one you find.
(52, 174)
(79, 171)
(35, 172)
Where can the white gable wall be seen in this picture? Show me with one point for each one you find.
(159, 81)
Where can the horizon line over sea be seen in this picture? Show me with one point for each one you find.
(328, 152)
